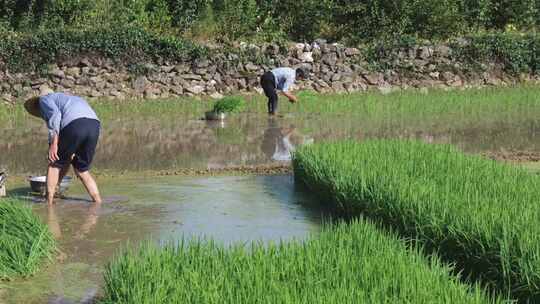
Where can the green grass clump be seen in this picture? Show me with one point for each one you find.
(478, 213)
(229, 104)
(32, 51)
(347, 263)
(409, 108)
(24, 240)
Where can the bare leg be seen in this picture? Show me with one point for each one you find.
(63, 173)
(52, 180)
(61, 176)
(90, 185)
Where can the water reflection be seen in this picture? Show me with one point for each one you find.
(53, 223)
(280, 141)
(90, 219)
(227, 209)
(153, 144)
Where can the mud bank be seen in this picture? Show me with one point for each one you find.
(513, 155)
(270, 169)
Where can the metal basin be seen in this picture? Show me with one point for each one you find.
(211, 115)
(38, 184)
(3, 178)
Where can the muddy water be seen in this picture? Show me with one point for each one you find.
(169, 144)
(227, 209)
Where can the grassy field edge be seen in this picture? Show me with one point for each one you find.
(346, 263)
(474, 212)
(25, 242)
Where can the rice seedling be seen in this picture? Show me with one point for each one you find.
(480, 214)
(408, 107)
(24, 240)
(230, 104)
(347, 263)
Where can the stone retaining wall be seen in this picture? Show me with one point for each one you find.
(332, 67)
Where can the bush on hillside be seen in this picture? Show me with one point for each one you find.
(26, 51)
(336, 20)
(516, 53)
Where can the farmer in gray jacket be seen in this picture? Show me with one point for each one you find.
(73, 135)
(280, 79)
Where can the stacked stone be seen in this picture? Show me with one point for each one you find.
(332, 68)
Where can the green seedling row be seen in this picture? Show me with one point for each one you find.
(346, 263)
(24, 240)
(477, 213)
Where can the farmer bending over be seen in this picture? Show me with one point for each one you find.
(73, 136)
(280, 79)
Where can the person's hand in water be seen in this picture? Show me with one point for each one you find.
(294, 99)
(290, 96)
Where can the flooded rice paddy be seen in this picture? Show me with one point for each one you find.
(169, 144)
(226, 208)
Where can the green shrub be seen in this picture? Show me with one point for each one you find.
(375, 19)
(351, 21)
(477, 213)
(24, 240)
(347, 263)
(187, 12)
(32, 14)
(236, 18)
(229, 104)
(21, 51)
(518, 53)
(499, 14)
(302, 20)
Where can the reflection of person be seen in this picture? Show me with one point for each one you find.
(89, 223)
(91, 220)
(73, 135)
(277, 144)
(280, 79)
(52, 222)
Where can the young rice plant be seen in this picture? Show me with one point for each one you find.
(478, 213)
(347, 263)
(24, 240)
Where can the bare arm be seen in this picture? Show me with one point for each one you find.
(290, 96)
(53, 149)
(52, 115)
